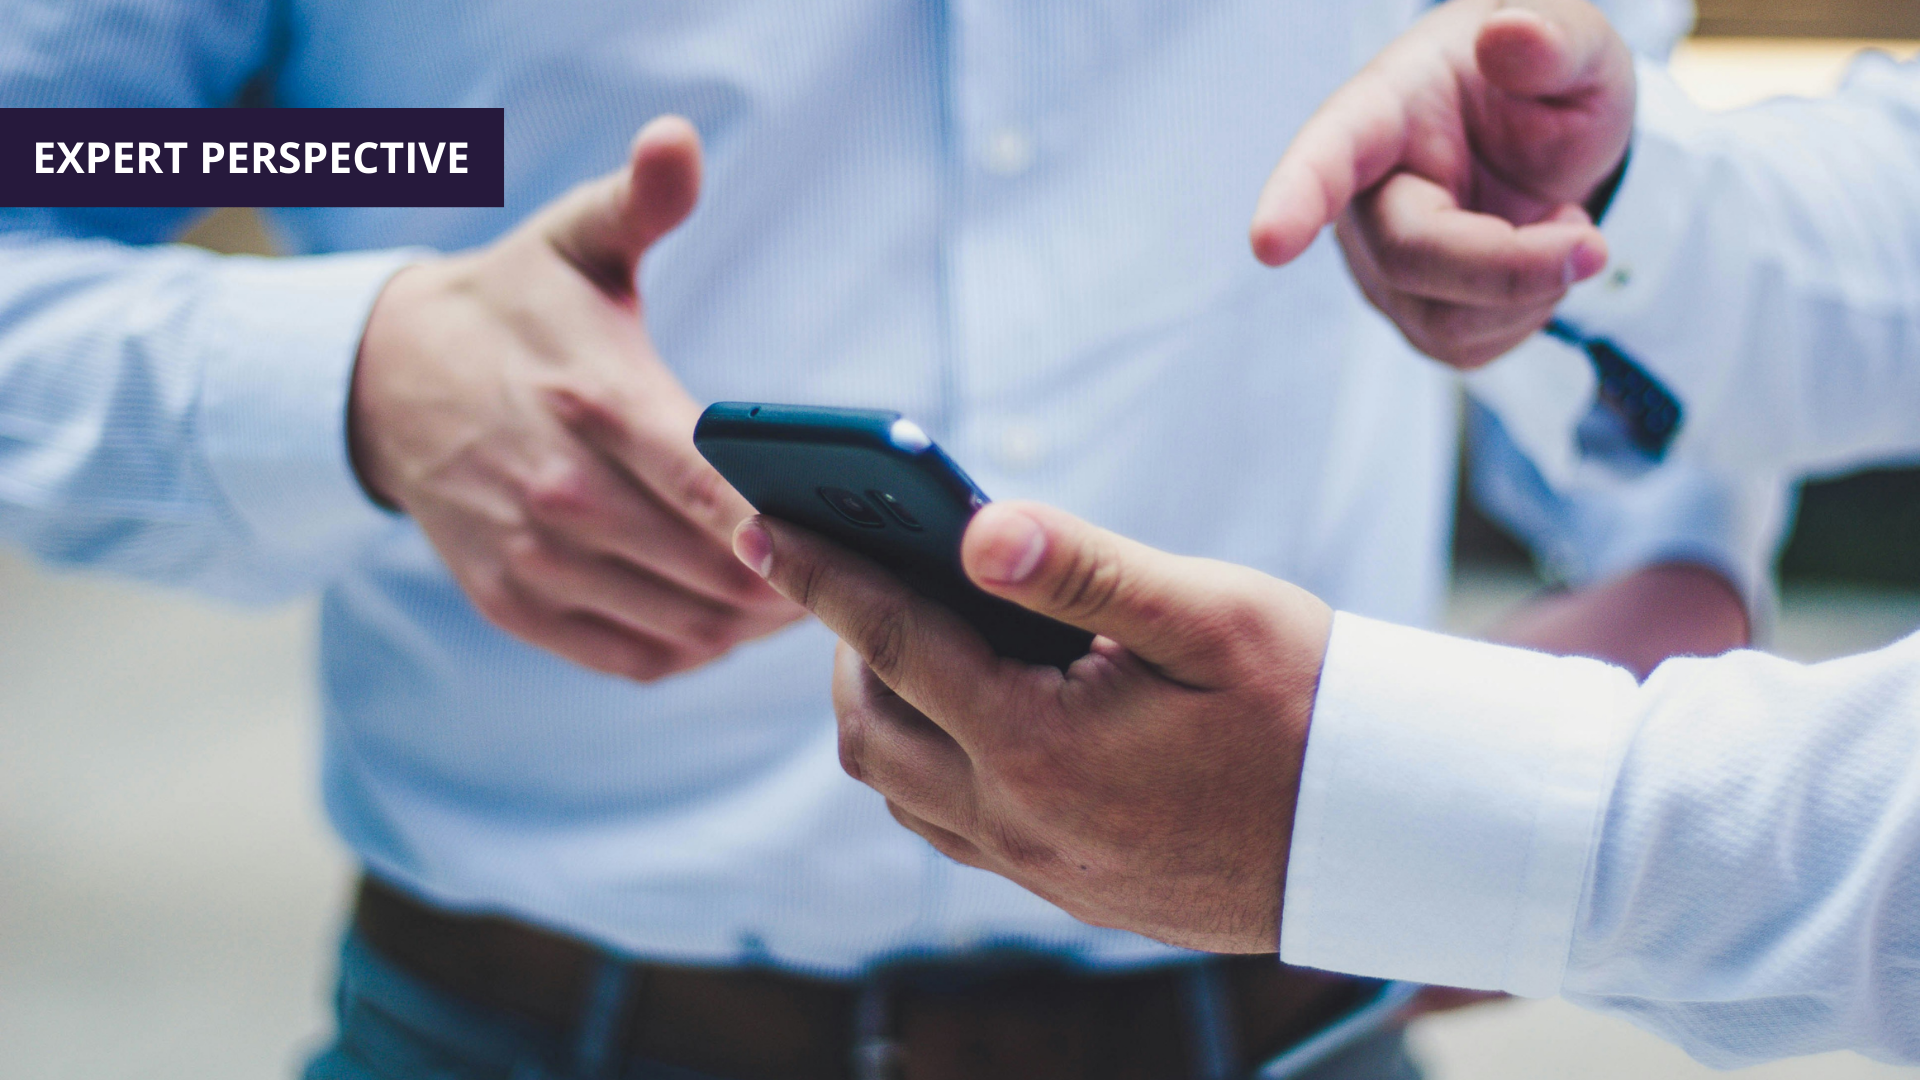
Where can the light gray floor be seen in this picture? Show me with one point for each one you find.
(169, 893)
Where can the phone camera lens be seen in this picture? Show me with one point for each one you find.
(852, 507)
(898, 509)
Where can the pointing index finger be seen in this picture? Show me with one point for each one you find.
(1354, 140)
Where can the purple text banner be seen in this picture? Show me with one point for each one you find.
(252, 157)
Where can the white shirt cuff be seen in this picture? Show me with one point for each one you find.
(1449, 806)
(282, 336)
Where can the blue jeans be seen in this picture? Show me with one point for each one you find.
(393, 1027)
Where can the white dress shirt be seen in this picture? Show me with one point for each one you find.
(1729, 854)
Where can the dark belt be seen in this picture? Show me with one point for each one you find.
(1003, 1017)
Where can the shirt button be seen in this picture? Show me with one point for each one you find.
(1021, 446)
(1621, 277)
(1007, 152)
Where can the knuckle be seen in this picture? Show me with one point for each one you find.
(562, 491)
(1528, 281)
(713, 633)
(880, 630)
(856, 734)
(952, 849)
(701, 492)
(690, 652)
(1020, 853)
(946, 844)
(644, 666)
(1450, 323)
(699, 648)
(884, 639)
(1033, 765)
(1242, 629)
(1087, 586)
(644, 661)
(526, 556)
(1239, 620)
(1399, 262)
(809, 584)
(494, 598)
(1515, 283)
(593, 413)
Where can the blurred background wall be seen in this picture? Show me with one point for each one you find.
(169, 894)
(1809, 18)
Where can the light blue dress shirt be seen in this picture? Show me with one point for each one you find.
(1022, 223)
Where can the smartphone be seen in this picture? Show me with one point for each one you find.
(873, 481)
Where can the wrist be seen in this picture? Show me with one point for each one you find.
(389, 336)
(280, 337)
(1600, 200)
(1449, 808)
(1302, 672)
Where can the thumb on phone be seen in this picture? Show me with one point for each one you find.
(1193, 619)
(1355, 139)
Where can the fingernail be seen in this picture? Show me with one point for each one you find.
(753, 546)
(1013, 549)
(1587, 259)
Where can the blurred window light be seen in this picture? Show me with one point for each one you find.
(1731, 72)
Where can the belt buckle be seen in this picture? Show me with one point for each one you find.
(876, 1048)
(876, 1053)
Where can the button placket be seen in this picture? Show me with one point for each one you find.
(1007, 152)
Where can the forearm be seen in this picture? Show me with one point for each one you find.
(1754, 886)
(1636, 621)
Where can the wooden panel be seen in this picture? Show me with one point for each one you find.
(232, 231)
(1810, 18)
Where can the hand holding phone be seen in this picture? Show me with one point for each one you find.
(873, 481)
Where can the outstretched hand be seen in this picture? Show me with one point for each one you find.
(511, 401)
(1149, 787)
(1458, 167)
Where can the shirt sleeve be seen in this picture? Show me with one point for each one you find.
(1766, 267)
(165, 412)
(1448, 806)
(1728, 855)
(181, 417)
(1603, 524)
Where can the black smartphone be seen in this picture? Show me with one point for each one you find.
(873, 481)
